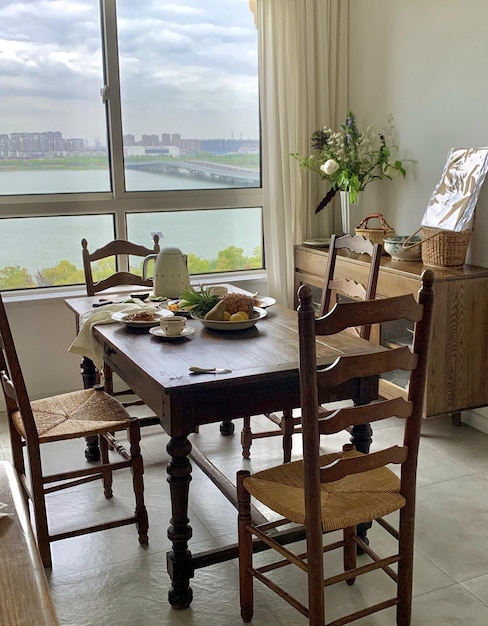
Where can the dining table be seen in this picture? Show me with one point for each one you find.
(261, 376)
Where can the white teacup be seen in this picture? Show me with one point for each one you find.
(173, 325)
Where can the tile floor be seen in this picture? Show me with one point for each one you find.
(109, 579)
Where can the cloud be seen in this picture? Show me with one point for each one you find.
(187, 67)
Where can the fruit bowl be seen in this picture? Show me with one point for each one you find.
(394, 247)
(256, 315)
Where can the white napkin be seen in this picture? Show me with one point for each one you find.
(85, 343)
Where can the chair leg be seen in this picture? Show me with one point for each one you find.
(246, 437)
(134, 433)
(349, 552)
(246, 590)
(287, 428)
(107, 476)
(405, 567)
(39, 506)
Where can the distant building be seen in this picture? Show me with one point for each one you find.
(172, 151)
(130, 151)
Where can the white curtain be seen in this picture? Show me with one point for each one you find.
(303, 52)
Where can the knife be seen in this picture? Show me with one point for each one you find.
(209, 370)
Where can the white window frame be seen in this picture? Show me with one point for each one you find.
(120, 202)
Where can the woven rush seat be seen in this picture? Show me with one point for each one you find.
(347, 502)
(75, 414)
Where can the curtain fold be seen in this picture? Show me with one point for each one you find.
(303, 56)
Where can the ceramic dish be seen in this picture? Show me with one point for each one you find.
(256, 315)
(394, 247)
(125, 318)
(320, 242)
(173, 307)
(159, 332)
(264, 302)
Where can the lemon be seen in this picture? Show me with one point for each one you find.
(226, 316)
(244, 315)
(238, 317)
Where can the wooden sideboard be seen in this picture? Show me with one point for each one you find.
(456, 378)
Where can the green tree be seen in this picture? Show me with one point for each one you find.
(64, 273)
(103, 268)
(196, 265)
(231, 259)
(256, 260)
(15, 277)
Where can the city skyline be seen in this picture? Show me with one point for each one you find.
(52, 141)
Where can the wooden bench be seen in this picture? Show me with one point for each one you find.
(24, 593)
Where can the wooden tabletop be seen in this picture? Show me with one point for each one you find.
(263, 360)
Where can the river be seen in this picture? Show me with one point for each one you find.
(37, 243)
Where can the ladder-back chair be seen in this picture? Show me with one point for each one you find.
(121, 250)
(340, 490)
(335, 287)
(86, 413)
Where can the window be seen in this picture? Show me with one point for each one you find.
(123, 118)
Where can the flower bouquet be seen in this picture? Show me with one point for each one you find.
(350, 159)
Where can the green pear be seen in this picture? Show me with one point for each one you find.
(216, 313)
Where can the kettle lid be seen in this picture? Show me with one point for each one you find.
(171, 250)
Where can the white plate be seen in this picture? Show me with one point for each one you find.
(256, 315)
(123, 316)
(320, 242)
(265, 302)
(159, 332)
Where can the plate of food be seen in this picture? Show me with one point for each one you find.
(143, 318)
(234, 322)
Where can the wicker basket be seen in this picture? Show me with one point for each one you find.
(444, 248)
(375, 235)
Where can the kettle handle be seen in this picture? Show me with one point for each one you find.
(144, 264)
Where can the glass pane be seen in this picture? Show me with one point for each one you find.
(46, 251)
(189, 92)
(53, 135)
(216, 240)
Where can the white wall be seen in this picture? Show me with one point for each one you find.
(424, 61)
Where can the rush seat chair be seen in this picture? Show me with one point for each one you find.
(340, 490)
(335, 288)
(90, 412)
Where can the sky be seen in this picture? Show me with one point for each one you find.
(186, 66)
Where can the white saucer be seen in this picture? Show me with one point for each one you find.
(320, 242)
(159, 332)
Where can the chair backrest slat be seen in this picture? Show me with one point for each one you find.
(348, 466)
(334, 285)
(344, 417)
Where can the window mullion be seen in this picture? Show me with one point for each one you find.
(111, 94)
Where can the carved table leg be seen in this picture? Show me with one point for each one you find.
(89, 373)
(179, 562)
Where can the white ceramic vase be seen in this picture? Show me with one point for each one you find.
(350, 213)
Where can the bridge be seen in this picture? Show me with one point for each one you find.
(204, 170)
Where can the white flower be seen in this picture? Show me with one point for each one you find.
(329, 167)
